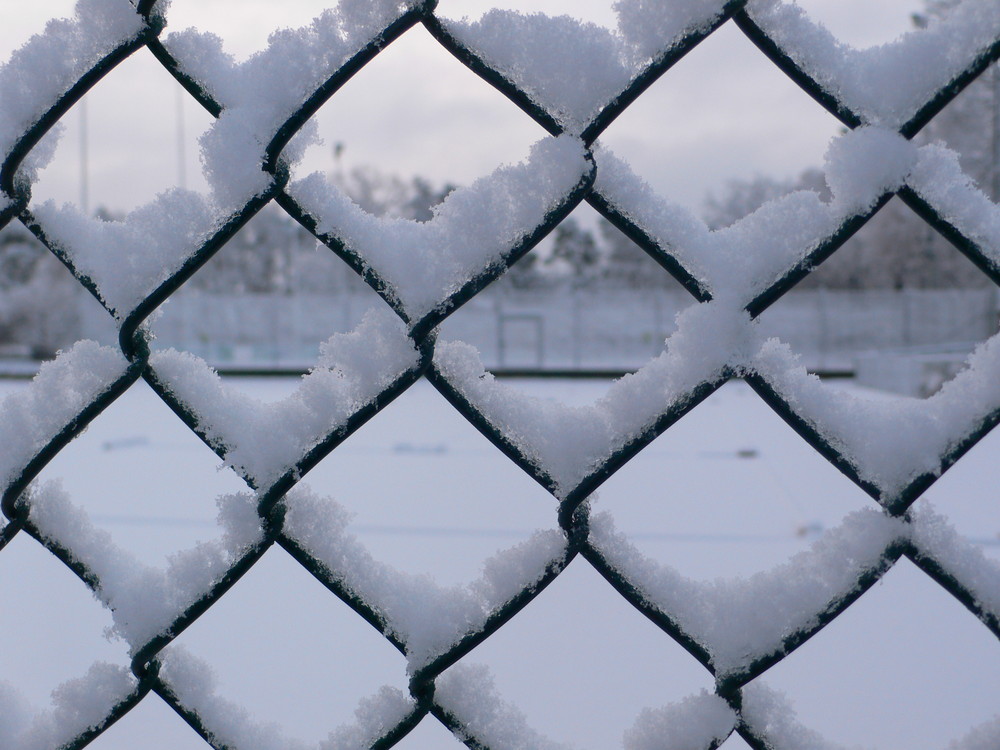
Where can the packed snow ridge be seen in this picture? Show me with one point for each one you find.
(745, 258)
(262, 441)
(260, 94)
(885, 85)
(51, 62)
(472, 230)
(574, 69)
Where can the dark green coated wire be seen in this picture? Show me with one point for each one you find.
(574, 510)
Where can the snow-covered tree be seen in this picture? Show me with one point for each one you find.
(260, 258)
(625, 262)
(970, 124)
(273, 254)
(38, 295)
(574, 252)
(388, 195)
(744, 196)
(897, 249)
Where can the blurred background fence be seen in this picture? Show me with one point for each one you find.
(583, 330)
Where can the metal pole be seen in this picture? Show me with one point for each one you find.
(577, 326)
(181, 155)
(84, 160)
(995, 162)
(501, 340)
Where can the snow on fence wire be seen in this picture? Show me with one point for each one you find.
(573, 79)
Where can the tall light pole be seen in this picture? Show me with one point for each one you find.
(181, 156)
(995, 156)
(84, 160)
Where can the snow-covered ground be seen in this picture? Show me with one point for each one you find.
(729, 491)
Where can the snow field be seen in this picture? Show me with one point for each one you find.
(746, 518)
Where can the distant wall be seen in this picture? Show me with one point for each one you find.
(565, 328)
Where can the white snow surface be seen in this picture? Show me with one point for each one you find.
(695, 723)
(938, 178)
(262, 441)
(144, 600)
(770, 713)
(77, 705)
(865, 163)
(193, 682)
(426, 617)
(472, 230)
(468, 693)
(740, 620)
(128, 259)
(31, 418)
(374, 716)
(651, 27)
(938, 540)
(743, 259)
(890, 442)
(49, 63)
(260, 93)
(887, 84)
(568, 442)
(573, 69)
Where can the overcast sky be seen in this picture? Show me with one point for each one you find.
(724, 112)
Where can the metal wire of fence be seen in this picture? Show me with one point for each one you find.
(45, 439)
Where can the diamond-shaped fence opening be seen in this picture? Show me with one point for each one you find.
(740, 113)
(108, 140)
(573, 79)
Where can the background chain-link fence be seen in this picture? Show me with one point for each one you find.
(67, 397)
(565, 330)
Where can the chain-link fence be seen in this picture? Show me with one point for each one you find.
(573, 82)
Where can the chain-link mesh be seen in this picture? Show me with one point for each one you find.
(46, 433)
